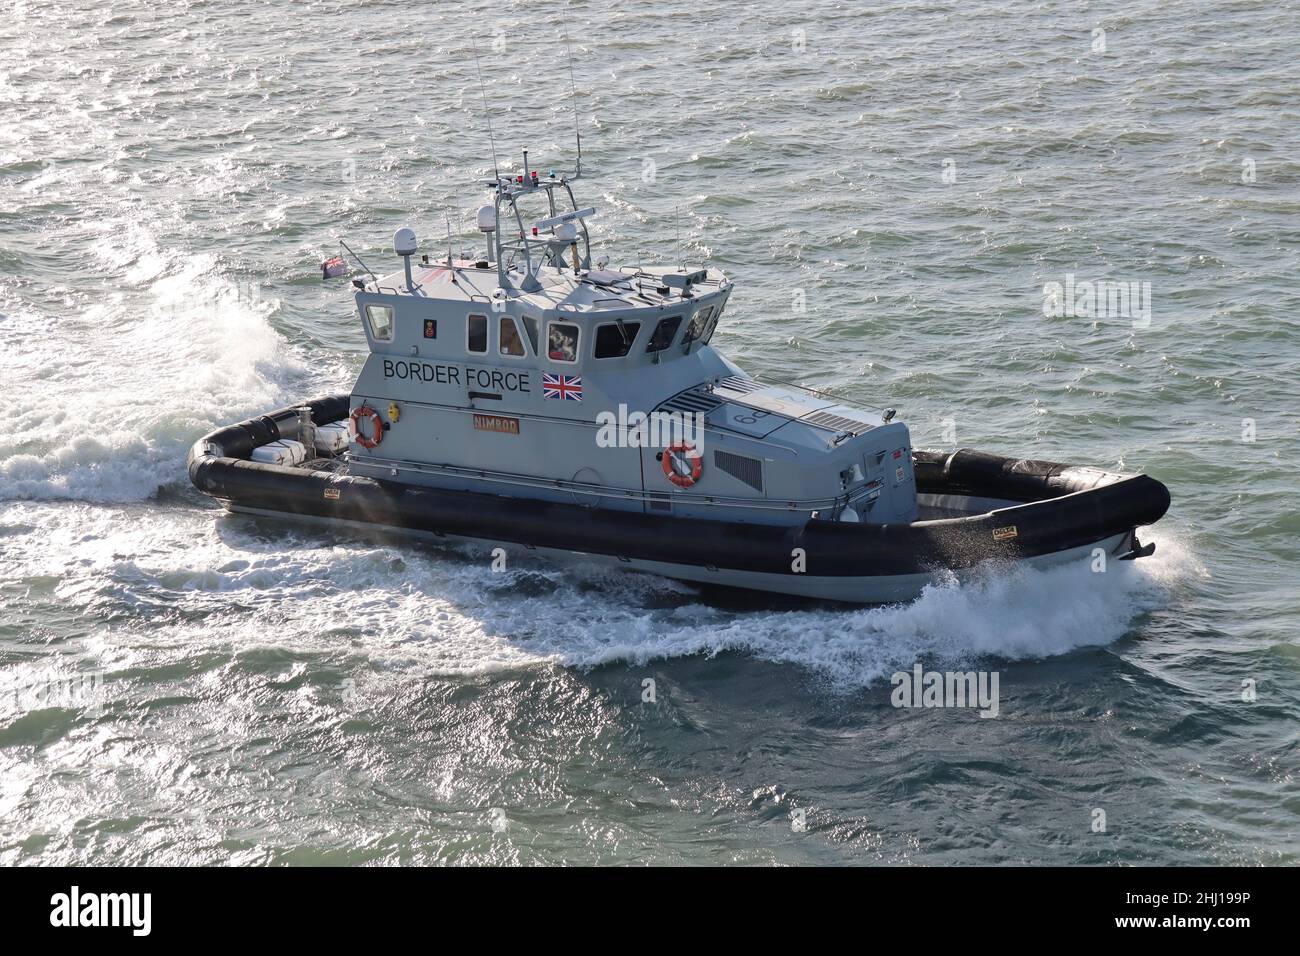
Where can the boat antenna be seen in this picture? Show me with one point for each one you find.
(681, 252)
(447, 217)
(360, 261)
(496, 174)
(573, 86)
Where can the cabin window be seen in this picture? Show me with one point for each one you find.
(476, 337)
(562, 342)
(664, 333)
(713, 325)
(699, 322)
(530, 326)
(509, 342)
(380, 319)
(614, 340)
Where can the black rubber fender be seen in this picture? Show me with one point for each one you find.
(1057, 507)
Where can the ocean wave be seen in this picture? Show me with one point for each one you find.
(429, 610)
(100, 405)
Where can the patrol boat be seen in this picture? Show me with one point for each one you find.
(530, 400)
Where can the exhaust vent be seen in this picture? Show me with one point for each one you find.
(836, 423)
(739, 384)
(692, 403)
(740, 467)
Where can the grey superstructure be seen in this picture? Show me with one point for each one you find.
(479, 338)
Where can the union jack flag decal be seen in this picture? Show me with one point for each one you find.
(563, 387)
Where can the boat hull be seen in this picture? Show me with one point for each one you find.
(1049, 513)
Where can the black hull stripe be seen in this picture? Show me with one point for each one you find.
(1062, 507)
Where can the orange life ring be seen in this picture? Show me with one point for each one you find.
(682, 451)
(365, 411)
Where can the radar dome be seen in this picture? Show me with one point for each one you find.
(404, 242)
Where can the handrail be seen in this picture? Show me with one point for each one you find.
(768, 380)
(596, 490)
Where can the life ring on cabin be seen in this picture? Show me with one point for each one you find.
(365, 411)
(691, 464)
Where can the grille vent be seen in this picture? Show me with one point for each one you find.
(691, 402)
(737, 383)
(836, 423)
(740, 467)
